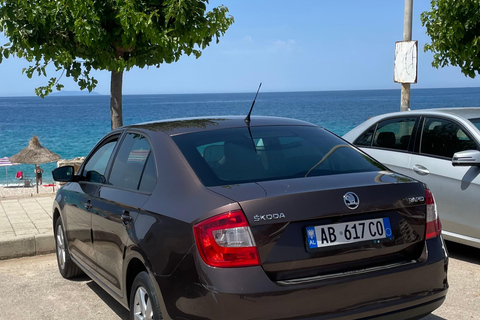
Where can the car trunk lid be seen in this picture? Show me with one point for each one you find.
(282, 212)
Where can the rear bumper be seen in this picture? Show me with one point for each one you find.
(417, 311)
(403, 292)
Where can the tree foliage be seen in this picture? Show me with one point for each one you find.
(454, 29)
(76, 36)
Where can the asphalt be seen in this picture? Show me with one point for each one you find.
(26, 226)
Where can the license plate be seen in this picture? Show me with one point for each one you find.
(349, 232)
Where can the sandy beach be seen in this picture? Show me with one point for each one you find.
(16, 191)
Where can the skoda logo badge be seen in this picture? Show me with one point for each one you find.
(351, 200)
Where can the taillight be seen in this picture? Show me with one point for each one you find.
(226, 241)
(434, 227)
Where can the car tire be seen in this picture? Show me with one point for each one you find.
(68, 269)
(144, 304)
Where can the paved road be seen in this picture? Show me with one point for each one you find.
(463, 298)
(32, 288)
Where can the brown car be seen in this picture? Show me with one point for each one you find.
(273, 218)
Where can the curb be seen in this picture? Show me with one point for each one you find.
(17, 247)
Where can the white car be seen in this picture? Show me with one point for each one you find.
(439, 147)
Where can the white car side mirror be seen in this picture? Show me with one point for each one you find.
(466, 158)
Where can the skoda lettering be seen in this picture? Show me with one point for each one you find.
(268, 217)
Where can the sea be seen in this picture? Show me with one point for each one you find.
(72, 125)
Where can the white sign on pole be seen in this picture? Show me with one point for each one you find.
(405, 70)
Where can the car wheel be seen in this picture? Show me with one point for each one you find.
(68, 269)
(144, 303)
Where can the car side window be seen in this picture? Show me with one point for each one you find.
(94, 169)
(134, 164)
(442, 137)
(365, 139)
(394, 133)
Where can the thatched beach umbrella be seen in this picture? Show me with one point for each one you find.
(35, 154)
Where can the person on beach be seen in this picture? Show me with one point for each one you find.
(38, 174)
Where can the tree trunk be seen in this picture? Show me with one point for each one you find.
(116, 83)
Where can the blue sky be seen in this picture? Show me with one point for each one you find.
(287, 45)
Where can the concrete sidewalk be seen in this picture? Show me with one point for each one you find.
(26, 226)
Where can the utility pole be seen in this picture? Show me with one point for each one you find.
(407, 36)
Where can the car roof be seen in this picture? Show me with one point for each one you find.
(467, 112)
(188, 125)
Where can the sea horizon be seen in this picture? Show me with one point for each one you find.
(73, 93)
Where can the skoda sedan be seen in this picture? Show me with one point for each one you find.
(440, 147)
(272, 218)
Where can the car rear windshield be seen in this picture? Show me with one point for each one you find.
(239, 155)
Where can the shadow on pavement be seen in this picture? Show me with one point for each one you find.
(433, 317)
(82, 278)
(463, 252)
(111, 302)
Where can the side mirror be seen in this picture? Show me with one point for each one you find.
(64, 174)
(466, 158)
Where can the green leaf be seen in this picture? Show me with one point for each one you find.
(454, 30)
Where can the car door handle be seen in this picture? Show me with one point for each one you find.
(421, 170)
(126, 218)
(88, 205)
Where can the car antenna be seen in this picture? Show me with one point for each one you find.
(247, 118)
